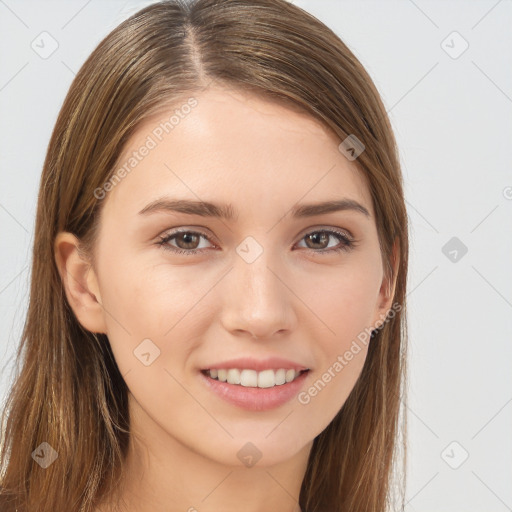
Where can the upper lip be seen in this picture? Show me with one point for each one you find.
(259, 365)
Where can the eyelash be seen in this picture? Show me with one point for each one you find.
(347, 244)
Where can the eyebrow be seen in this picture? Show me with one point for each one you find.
(228, 212)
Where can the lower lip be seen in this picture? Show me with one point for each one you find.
(255, 399)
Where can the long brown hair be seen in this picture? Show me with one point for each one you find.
(68, 391)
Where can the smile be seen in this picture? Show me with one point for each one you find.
(256, 391)
(252, 378)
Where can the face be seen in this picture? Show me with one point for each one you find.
(183, 292)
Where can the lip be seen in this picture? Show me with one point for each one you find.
(249, 363)
(255, 399)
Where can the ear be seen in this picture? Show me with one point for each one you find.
(387, 289)
(80, 283)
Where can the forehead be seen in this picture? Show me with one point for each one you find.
(238, 148)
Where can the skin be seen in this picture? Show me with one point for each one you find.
(291, 301)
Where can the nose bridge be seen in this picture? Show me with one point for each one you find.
(258, 301)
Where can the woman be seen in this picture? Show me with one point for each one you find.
(217, 309)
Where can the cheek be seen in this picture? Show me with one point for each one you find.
(345, 305)
(344, 300)
(158, 304)
(138, 295)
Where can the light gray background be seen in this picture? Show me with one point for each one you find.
(452, 116)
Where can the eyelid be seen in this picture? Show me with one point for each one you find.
(204, 232)
(337, 229)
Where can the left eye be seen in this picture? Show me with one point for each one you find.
(191, 238)
(324, 235)
(188, 237)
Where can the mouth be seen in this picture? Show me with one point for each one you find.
(253, 379)
(255, 391)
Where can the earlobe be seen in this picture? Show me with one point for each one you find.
(79, 282)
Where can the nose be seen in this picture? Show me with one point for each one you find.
(257, 299)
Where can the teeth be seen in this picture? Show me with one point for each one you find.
(252, 378)
(290, 375)
(247, 378)
(280, 377)
(233, 377)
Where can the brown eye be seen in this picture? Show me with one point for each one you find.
(186, 242)
(318, 241)
(320, 237)
(189, 240)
